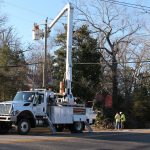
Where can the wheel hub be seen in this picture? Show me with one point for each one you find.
(24, 126)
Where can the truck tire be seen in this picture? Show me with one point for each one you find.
(24, 126)
(77, 127)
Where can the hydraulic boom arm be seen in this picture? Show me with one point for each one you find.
(68, 79)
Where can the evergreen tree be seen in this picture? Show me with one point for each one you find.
(86, 77)
(13, 72)
(141, 101)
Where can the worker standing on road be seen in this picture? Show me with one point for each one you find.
(117, 120)
(123, 120)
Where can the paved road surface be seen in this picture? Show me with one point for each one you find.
(41, 139)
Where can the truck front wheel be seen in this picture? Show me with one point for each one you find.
(24, 126)
(77, 127)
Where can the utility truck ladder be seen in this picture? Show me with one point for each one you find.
(52, 128)
(88, 126)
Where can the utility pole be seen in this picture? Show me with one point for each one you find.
(37, 34)
(45, 56)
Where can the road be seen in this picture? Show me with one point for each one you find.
(41, 139)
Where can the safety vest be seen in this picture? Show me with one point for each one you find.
(117, 118)
(123, 118)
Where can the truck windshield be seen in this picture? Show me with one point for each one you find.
(24, 96)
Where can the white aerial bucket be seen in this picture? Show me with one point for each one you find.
(36, 32)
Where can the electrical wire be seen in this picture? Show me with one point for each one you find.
(89, 63)
(25, 9)
(131, 4)
(144, 61)
(30, 10)
(136, 6)
(16, 66)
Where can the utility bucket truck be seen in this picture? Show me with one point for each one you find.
(41, 107)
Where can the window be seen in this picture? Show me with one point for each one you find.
(40, 99)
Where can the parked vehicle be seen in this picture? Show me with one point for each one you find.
(30, 109)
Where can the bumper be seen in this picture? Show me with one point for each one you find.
(8, 118)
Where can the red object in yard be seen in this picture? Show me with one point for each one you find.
(108, 101)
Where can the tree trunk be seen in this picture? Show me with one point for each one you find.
(115, 83)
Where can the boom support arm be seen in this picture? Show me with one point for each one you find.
(69, 8)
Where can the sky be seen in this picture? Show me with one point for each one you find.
(22, 14)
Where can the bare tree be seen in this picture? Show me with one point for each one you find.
(114, 28)
(35, 57)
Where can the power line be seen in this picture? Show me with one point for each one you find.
(136, 6)
(139, 35)
(31, 11)
(132, 4)
(26, 9)
(16, 66)
(90, 63)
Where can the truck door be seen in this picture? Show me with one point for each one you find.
(39, 105)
